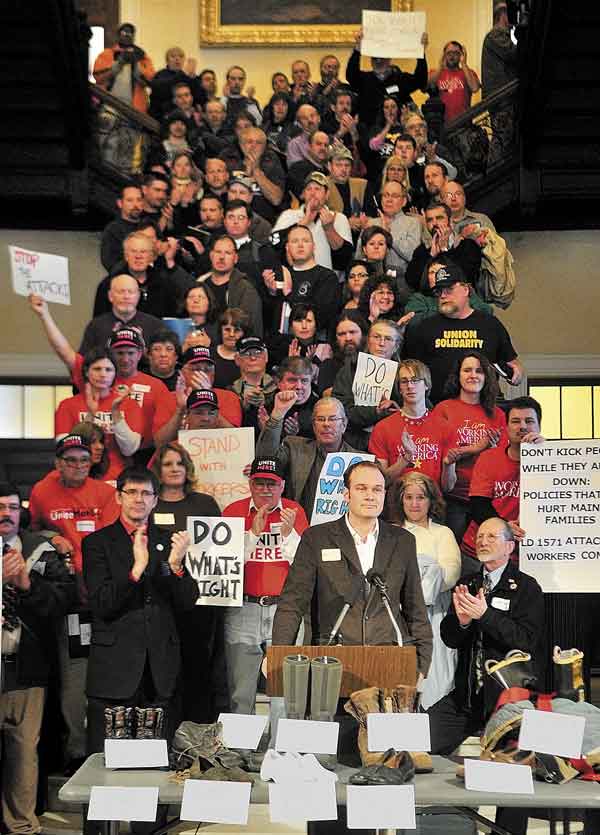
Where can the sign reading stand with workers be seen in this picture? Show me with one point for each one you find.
(215, 559)
(560, 514)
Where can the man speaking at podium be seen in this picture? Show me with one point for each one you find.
(350, 565)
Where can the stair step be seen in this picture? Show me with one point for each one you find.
(32, 126)
(568, 156)
(34, 154)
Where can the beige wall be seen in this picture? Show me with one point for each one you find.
(555, 311)
(163, 23)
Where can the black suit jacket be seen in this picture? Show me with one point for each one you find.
(318, 582)
(132, 621)
(514, 620)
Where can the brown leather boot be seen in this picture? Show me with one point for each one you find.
(359, 705)
(404, 699)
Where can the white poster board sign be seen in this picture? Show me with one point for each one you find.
(40, 273)
(560, 513)
(329, 500)
(393, 34)
(373, 379)
(215, 559)
(219, 457)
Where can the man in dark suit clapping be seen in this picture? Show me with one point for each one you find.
(135, 578)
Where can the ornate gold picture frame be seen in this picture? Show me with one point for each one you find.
(281, 22)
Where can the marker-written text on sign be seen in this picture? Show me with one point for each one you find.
(215, 559)
(329, 500)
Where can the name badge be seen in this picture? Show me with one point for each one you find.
(140, 387)
(500, 603)
(164, 518)
(85, 525)
(331, 554)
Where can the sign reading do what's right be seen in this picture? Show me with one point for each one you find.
(560, 514)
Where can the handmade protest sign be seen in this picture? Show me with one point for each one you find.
(40, 273)
(219, 457)
(329, 501)
(393, 34)
(215, 559)
(560, 514)
(373, 379)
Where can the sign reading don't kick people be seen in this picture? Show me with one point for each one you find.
(215, 559)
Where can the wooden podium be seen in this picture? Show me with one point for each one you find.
(364, 666)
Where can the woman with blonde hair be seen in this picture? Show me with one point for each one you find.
(416, 503)
(395, 171)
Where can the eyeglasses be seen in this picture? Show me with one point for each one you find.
(444, 291)
(134, 494)
(489, 537)
(253, 352)
(323, 420)
(77, 462)
(358, 275)
(379, 337)
(410, 381)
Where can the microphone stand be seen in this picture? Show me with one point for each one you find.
(382, 589)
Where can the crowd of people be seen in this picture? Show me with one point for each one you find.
(261, 252)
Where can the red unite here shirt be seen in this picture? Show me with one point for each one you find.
(73, 410)
(429, 433)
(151, 395)
(467, 424)
(266, 567)
(496, 476)
(454, 92)
(73, 512)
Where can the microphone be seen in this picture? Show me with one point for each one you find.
(348, 603)
(376, 580)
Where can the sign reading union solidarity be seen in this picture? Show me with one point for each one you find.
(219, 457)
(40, 273)
(560, 514)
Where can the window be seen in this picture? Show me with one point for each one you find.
(570, 408)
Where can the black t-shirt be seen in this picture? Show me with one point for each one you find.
(220, 293)
(438, 342)
(172, 516)
(226, 371)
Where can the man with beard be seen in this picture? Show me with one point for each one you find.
(130, 206)
(353, 196)
(350, 334)
(125, 70)
(438, 340)
(455, 80)
(306, 282)
(156, 209)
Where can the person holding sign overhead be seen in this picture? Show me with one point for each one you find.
(273, 529)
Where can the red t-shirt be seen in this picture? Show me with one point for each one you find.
(266, 570)
(467, 424)
(73, 410)
(151, 395)
(496, 476)
(73, 512)
(230, 407)
(454, 92)
(429, 433)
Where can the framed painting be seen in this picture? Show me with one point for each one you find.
(280, 22)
